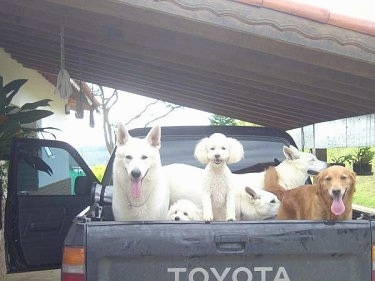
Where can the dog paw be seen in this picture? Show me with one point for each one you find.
(208, 219)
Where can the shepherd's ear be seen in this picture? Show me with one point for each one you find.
(122, 134)
(291, 152)
(154, 137)
(252, 193)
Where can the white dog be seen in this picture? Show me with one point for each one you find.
(185, 210)
(251, 203)
(140, 186)
(218, 198)
(185, 181)
(293, 171)
(256, 204)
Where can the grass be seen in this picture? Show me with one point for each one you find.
(365, 191)
(365, 185)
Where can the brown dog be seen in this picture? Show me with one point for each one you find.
(329, 198)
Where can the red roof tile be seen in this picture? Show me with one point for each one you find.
(315, 13)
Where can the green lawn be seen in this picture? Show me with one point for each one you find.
(365, 191)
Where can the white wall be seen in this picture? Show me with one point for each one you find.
(348, 132)
(36, 88)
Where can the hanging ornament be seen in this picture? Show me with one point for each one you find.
(92, 120)
(80, 99)
(63, 85)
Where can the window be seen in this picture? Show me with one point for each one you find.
(49, 171)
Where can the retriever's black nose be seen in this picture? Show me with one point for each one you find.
(336, 192)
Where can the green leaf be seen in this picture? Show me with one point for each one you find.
(25, 117)
(34, 105)
(10, 126)
(10, 108)
(12, 116)
(28, 131)
(11, 89)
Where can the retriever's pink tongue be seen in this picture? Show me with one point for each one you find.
(136, 188)
(337, 206)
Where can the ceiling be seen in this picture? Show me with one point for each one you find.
(251, 63)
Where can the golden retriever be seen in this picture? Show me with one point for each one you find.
(329, 198)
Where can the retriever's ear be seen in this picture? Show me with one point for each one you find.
(235, 151)
(353, 177)
(154, 137)
(200, 151)
(122, 134)
(318, 181)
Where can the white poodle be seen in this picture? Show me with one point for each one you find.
(185, 210)
(216, 151)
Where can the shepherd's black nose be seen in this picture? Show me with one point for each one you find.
(217, 155)
(136, 173)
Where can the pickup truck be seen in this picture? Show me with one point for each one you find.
(58, 215)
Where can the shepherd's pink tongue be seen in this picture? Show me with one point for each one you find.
(337, 206)
(136, 188)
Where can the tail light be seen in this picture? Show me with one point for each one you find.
(73, 264)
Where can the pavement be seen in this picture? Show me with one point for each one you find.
(45, 275)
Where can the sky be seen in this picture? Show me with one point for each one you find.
(128, 106)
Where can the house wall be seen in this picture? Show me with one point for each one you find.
(36, 88)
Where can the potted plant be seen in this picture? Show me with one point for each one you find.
(340, 160)
(361, 160)
(13, 118)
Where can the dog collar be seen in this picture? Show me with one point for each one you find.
(132, 205)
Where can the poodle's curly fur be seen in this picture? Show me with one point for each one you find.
(184, 210)
(216, 152)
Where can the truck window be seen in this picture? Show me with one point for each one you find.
(50, 171)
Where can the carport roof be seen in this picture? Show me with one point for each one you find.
(282, 66)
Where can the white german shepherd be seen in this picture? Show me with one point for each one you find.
(140, 187)
(293, 170)
(185, 180)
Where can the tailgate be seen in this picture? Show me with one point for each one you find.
(241, 251)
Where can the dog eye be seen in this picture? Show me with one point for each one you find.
(175, 212)
(328, 178)
(343, 177)
(185, 213)
(212, 148)
(128, 157)
(223, 148)
(273, 201)
(144, 157)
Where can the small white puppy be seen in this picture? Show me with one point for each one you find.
(216, 151)
(185, 210)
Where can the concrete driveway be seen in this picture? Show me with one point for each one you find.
(45, 275)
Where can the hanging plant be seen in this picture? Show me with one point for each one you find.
(13, 118)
